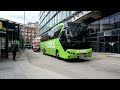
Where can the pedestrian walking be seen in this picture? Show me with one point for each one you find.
(14, 49)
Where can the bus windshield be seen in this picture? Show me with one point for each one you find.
(78, 34)
(76, 28)
(77, 31)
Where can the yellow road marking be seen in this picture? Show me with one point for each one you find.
(101, 55)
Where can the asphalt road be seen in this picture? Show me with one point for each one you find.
(96, 67)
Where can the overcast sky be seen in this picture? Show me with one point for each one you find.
(18, 16)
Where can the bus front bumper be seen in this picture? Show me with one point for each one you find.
(72, 54)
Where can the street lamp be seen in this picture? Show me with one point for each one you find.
(24, 31)
(24, 23)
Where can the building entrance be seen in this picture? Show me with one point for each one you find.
(111, 44)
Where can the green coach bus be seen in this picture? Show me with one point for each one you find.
(68, 40)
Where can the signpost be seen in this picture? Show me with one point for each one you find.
(0, 24)
(2, 30)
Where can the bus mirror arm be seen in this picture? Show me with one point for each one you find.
(62, 36)
(65, 27)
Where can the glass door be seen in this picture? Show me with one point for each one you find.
(111, 44)
(107, 47)
(114, 44)
(108, 44)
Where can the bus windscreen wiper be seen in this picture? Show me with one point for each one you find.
(76, 42)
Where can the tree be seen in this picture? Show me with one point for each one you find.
(28, 41)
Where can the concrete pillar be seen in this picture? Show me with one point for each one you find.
(7, 34)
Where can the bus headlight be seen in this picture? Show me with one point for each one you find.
(72, 53)
(68, 52)
(90, 53)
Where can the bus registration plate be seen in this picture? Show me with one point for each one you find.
(82, 56)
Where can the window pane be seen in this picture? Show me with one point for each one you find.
(101, 47)
(67, 13)
(101, 39)
(51, 34)
(107, 39)
(58, 17)
(72, 12)
(112, 22)
(50, 24)
(95, 27)
(104, 24)
(64, 15)
(117, 21)
(60, 14)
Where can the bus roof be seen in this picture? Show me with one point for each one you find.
(73, 23)
(58, 25)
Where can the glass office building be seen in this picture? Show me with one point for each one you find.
(49, 19)
(104, 32)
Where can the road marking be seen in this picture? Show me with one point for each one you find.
(101, 55)
(114, 63)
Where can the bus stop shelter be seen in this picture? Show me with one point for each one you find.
(9, 31)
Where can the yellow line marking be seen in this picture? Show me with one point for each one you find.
(101, 55)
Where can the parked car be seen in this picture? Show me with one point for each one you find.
(36, 48)
(28, 46)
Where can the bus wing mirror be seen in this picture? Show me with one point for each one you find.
(65, 27)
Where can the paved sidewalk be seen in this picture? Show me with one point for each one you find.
(34, 72)
(10, 69)
(23, 69)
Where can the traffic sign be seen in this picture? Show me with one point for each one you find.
(0, 24)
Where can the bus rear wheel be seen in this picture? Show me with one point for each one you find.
(57, 55)
(44, 52)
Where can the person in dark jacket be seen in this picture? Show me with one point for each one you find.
(14, 49)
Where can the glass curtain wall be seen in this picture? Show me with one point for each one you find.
(49, 19)
(106, 34)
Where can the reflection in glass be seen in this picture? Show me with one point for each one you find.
(117, 21)
(101, 47)
(111, 22)
(104, 24)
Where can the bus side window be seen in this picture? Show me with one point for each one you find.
(51, 34)
(57, 31)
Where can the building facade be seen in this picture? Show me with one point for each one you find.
(29, 32)
(104, 26)
(35, 25)
(105, 34)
